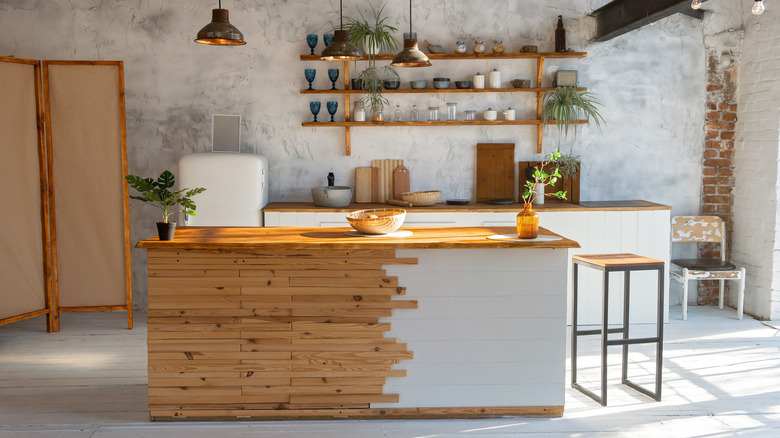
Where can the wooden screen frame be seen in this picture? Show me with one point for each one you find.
(50, 310)
(125, 204)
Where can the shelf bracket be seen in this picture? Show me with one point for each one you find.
(539, 94)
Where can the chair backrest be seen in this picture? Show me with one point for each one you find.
(699, 229)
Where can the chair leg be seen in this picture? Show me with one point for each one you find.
(720, 294)
(685, 295)
(741, 294)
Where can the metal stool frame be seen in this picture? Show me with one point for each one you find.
(605, 330)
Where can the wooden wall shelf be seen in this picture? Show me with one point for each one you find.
(537, 91)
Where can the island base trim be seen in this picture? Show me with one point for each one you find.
(362, 414)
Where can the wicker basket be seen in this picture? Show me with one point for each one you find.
(422, 199)
(377, 221)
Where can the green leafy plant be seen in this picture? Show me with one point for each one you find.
(157, 193)
(567, 106)
(374, 35)
(567, 164)
(540, 177)
(373, 84)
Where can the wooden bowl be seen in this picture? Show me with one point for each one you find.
(422, 199)
(377, 221)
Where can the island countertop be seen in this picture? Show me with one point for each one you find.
(236, 238)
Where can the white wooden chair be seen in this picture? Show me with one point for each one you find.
(702, 229)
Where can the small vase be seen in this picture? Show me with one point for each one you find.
(166, 230)
(527, 223)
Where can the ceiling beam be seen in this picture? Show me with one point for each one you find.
(623, 16)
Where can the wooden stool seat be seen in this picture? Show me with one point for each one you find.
(626, 263)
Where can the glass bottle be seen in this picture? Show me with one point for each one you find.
(479, 46)
(460, 47)
(414, 116)
(359, 113)
(560, 36)
(433, 113)
(498, 46)
(452, 112)
(399, 115)
(379, 115)
(527, 223)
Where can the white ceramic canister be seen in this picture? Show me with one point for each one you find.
(478, 81)
(490, 114)
(494, 79)
(509, 114)
(539, 189)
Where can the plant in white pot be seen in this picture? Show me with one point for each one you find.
(157, 193)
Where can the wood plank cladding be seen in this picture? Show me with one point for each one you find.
(271, 332)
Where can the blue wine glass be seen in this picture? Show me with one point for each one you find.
(332, 108)
(327, 39)
(311, 40)
(333, 75)
(315, 106)
(310, 73)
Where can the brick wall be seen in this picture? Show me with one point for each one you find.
(717, 197)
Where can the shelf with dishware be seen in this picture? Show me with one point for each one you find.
(538, 91)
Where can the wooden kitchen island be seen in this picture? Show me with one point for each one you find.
(304, 323)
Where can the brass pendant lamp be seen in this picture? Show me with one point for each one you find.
(411, 55)
(340, 49)
(220, 32)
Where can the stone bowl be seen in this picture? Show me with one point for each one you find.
(392, 84)
(521, 83)
(463, 85)
(441, 83)
(417, 85)
(332, 196)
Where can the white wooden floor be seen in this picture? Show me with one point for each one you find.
(721, 379)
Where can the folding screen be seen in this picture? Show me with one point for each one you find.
(85, 136)
(25, 282)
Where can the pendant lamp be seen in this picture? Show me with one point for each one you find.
(340, 49)
(220, 32)
(411, 55)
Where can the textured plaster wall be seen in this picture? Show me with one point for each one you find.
(756, 238)
(651, 82)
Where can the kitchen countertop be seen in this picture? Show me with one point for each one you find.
(631, 205)
(209, 238)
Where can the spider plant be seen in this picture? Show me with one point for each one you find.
(374, 35)
(567, 106)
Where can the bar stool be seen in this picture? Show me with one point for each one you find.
(626, 263)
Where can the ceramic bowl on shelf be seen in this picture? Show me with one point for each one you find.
(490, 115)
(377, 221)
(392, 84)
(332, 196)
(417, 85)
(521, 83)
(441, 83)
(463, 85)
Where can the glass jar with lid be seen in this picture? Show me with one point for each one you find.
(479, 46)
(498, 46)
(379, 114)
(460, 47)
(452, 111)
(433, 113)
(471, 115)
(359, 111)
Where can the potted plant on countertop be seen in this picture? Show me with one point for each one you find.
(528, 220)
(157, 193)
(568, 107)
(373, 36)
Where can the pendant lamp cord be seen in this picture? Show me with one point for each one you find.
(341, 13)
(220, 4)
(410, 16)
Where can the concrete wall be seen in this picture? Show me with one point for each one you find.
(756, 237)
(651, 82)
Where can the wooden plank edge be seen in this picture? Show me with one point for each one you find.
(363, 414)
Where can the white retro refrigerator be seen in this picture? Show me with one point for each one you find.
(236, 188)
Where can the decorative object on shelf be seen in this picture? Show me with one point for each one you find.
(376, 36)
(398, 115)
(470, 115)
(393, 83)
(422, 199)
(434, 48)
(377, 221)
(332, 107)
(460, 47)
(479, 47)
(411, 55)
(452, 111)
(332, 196)
(441, 83)
(463, 85)
(478, 81)
(567, 106)
(560, 36)
(494, 79)
(433, 113)
(327, 39)
(314, 107)
(333, 75)
(378, 114)
(418, 85)
(341, 48)
(220, 32)
(529, 49)
(498, 46)
(528, 220)
(356, 84)
(359, 111)
(521, 83)
(566, 78)
(157, 193)
(310, 74)
(490, 114)
(569, 183)
(311, 40)
(509, 114)
(414, 115)
(758, 7)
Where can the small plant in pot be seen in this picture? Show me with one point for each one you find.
(157, 192)
(528, 220)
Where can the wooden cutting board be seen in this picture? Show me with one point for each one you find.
(401, 181)
(495, 171)
(385, 186)
(363, 185)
